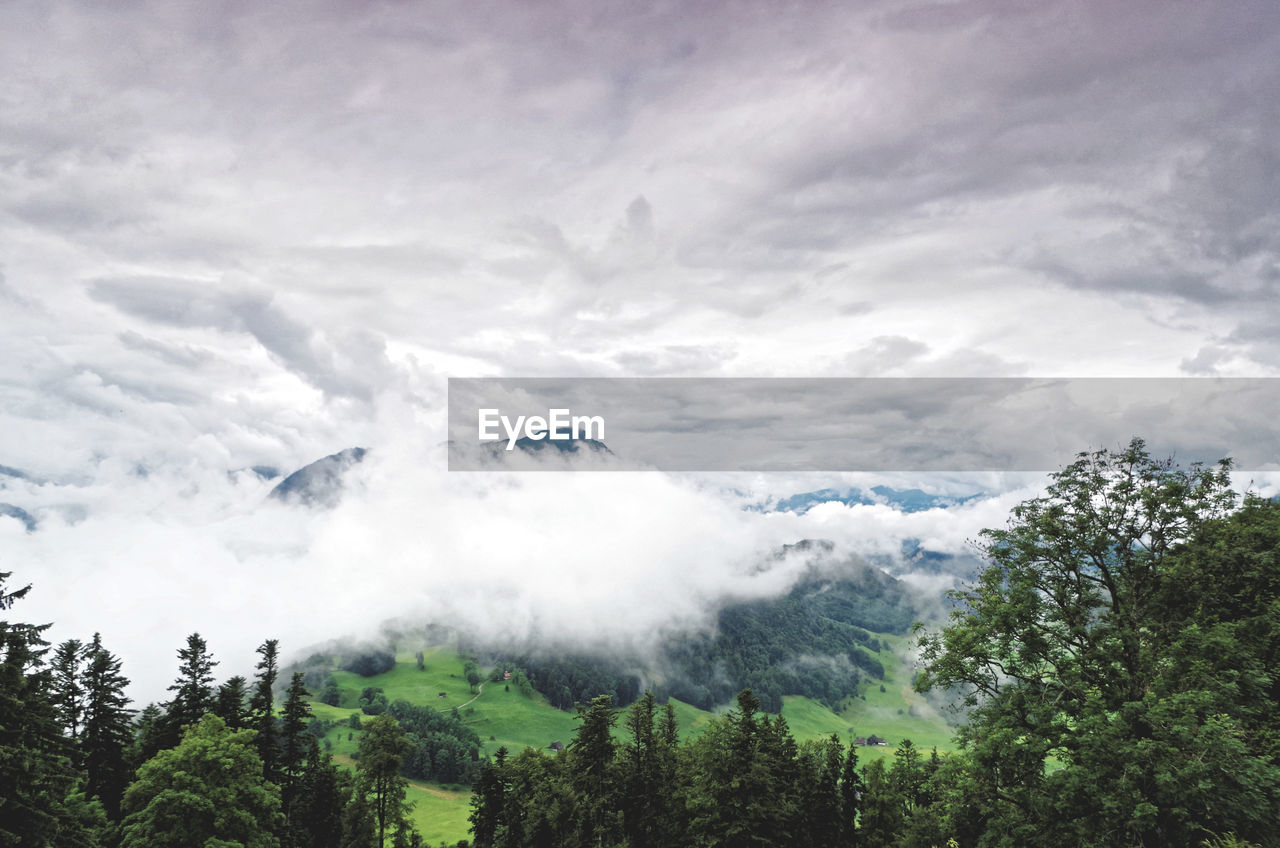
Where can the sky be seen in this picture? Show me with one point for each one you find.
(245, 234)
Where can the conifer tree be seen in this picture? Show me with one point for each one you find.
(230, 703)
(591, 761)
(262, 706)
(107, 733)
(315, 816)
(67, 693)
(193, 689)
(851, 792)
(35, 775)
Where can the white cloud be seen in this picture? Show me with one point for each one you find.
(257, 235)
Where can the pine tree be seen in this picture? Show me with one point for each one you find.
(591, 762)
(488, 801)
(296, 745)
(193, 690)
(35, 774)
(107, 734)
(67, 693)
(262, 707)
(851, 792)
(293, 732)
(230, 703)
(315, 817)
(642, 789)
(148, 735)
(823, 816)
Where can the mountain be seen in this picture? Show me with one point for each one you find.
(905, 500)
(21, 514)
(320, 483)
(819, 640)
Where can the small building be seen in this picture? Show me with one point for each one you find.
(556, 746)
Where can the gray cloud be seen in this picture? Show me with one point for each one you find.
(258, 234)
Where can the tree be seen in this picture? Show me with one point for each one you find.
(107, 734)
(851, 793)
(382, 750)
(207, 791)
(35, 775)
(296, 744)
(262, 710)
(1070, 646)
(644, 784)
(488, 801)
(193, 689)
(68, 694)
(230, 703)
(315, 817)
(743, 780)
(591, 763)
(293, 729)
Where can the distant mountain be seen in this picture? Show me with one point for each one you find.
(320, 483)
(6, 471)
(21, 514)
(819, 640)
(905, 500)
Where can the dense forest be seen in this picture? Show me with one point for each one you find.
(216, 765)
(816, 640)
(1118, 657)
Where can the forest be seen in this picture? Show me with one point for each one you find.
(1116, 659)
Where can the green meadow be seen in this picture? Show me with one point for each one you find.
(502, 717)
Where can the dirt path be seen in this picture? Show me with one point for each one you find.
(479, 692)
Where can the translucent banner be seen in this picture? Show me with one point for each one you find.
(855, 424)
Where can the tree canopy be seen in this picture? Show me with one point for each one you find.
(1101, 713)
(208, 791)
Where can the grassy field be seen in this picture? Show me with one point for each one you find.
(501, 716)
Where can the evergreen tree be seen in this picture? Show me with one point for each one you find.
(193, 690)
(315, 814)
(262, 709)
(488, 801)
(882, 808)
(67, 693)
(230, 703)
(741, 785)
(851, 793)
(107, 734)
(35, 774)
(295, 742)
(296, 745)
(148, 735)
(643, 792)
(591, 761)
(823, 817)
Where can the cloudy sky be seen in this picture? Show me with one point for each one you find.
(250, 234)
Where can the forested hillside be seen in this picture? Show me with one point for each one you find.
(818, 640)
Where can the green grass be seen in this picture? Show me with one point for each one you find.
(501, 716)
(897, 713)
